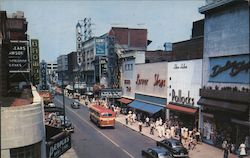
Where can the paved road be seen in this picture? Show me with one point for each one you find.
(90, 141)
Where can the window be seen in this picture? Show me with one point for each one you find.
(30, 151)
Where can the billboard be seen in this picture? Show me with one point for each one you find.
(100, 46)
(111, 93)
(18, 57)
(35, 61)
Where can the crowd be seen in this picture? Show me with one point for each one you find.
(167, 129)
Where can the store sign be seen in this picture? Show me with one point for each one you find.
(182, 99)
(233, 69)
(111, 93)
(140, 81)
(180, 66)
(35, 61)
(18, 57)
(56, 148)
(159, 82)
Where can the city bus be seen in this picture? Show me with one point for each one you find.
(101, 116)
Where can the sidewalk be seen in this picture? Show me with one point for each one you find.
(71, 153)
(201, 150)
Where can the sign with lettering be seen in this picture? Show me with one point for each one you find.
(58, 146)
(35, 61)
(100, 46)
(159, 82)
(43, 76)
(18, 57)
(111, 93)
(180, 66)
(232, 69)
(140, 81)
(185, 100)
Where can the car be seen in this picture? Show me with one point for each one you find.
(51, 105)
(174, 146)
(68, 125)
(75, 105)
(156, 152)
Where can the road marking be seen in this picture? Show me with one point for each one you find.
(91, 125)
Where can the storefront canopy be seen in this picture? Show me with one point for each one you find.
(223, 104)
(182, 108)
(124, 100)
(146, 107)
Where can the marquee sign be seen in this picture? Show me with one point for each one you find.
(35, 61)
(18, 57)
(111, 93)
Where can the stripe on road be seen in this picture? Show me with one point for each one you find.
(91, 125)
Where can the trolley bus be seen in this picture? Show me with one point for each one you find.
(102, 116)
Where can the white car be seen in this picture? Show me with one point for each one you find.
(51, 105)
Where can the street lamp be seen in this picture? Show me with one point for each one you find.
(63, 102)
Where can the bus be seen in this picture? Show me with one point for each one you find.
(101, 116)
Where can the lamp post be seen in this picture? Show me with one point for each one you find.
(63, 101)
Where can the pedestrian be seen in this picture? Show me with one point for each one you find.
(147, 121)
(226, 152)
(126, 119)
(134, 117)
(152, 128)
(140, 126)
(242, 150)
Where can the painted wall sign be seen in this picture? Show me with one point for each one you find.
(182, 99)
(126, 81)
(18, 57)
(159, 82)
(100, 47)
(233, 69)
(140, 81)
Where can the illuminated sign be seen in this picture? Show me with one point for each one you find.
(111, 93)
(100, 46)
(35, 61)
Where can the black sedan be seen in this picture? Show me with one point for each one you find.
(156, 152)
(174, 146)
(75, 105)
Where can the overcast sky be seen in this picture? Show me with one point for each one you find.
(53, 22)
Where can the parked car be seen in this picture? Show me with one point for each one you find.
(156, 152)
(68, 125)
(51, 105)
(174, 146)
(75, 105)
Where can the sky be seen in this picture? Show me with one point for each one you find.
(53, 22)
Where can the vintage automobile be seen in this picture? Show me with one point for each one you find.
(174, 146)
(75, 105)
(156, 152)
(68, 125)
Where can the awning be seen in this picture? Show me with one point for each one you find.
(69, 87)
(147, 107)
(223, 104)
(182, 108)
(124, 100)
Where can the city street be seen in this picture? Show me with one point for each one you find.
(91, 141)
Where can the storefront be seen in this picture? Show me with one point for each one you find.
(150, 90)
(224, 96)
(184, 82)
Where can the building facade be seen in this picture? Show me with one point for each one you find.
(184, 82)
(226, 72)
(23, 136)
(62, 69)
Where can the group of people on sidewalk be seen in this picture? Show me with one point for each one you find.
(167, 129)
(228, 148)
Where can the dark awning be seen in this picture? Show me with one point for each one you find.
(223, 104)
(147, 107)
(124, 100)
(182, 108)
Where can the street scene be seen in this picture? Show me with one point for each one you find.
(125, 79)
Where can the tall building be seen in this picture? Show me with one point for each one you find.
(226, 72)
(4, 48)
(34, 59)
(52, 72)
(62, 69)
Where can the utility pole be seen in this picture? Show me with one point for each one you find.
(63, 102)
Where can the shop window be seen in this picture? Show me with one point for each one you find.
(30, 151)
